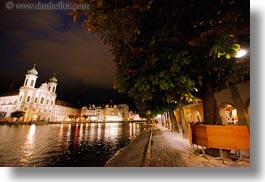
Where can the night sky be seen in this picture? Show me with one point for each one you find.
(50, 39)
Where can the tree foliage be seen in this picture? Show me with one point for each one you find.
(17, 114)
(2, 114)
(168, 51)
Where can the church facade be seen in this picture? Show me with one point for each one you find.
(38, 104)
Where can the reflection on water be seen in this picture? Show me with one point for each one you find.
(28, 147)
(85, 144)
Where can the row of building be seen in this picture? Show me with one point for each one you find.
(40, 104)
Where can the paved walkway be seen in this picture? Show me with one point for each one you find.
(168, 150)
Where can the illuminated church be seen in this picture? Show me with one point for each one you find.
(39, 104)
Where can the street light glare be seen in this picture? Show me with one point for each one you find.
(241, 53)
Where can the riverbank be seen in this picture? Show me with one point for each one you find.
(133, 155)
(168, 150)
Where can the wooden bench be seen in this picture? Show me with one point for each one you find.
(231, 137)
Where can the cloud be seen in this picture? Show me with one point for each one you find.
(55, 44)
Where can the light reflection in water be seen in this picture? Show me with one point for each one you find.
(81, 132)
(84, 144)
(134, 128)
(99, 131)
(61, 131)
(28, 147)
(75, 140)
(86, 132)
(92, 131)
(69, 133)
(111, 130)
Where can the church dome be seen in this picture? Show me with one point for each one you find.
(53, 79)
(33, 71)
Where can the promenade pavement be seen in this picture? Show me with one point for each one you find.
(168, 150)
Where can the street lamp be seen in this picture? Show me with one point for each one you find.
(241, 53)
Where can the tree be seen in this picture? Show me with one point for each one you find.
(17, 114)
(170, 50)
(2, 114)
(214, 37)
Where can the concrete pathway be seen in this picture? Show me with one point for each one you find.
(168, 150)
(171, 150)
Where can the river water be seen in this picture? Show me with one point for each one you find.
(69, 145)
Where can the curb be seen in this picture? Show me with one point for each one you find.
(147, 155)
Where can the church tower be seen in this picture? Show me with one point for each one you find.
(27, 94)
(52, 83)
(31, 77)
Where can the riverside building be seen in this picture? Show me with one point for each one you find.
(39, 104)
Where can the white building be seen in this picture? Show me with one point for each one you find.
(110, 112)
(39, 104)
(92, 113)
(116, 112)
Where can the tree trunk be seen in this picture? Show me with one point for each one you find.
(148, 120)
(167, 121)
(210, 108)
(162, 120)
(173, 121)
(211, 114)
(185, 132)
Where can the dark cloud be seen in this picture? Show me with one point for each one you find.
(51, 40)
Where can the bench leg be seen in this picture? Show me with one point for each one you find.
(194, 150)
(221, 156)
(203, 154)
(240, 156)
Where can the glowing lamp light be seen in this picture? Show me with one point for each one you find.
(241, 53)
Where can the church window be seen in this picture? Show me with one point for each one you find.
(53, 89)
(28, 98)
(41, 100)
(20, 99)
(52, 102)
(32, 83)
(26, 82)
(36, 99)
(47, 102)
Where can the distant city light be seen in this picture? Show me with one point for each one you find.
(241, 53)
